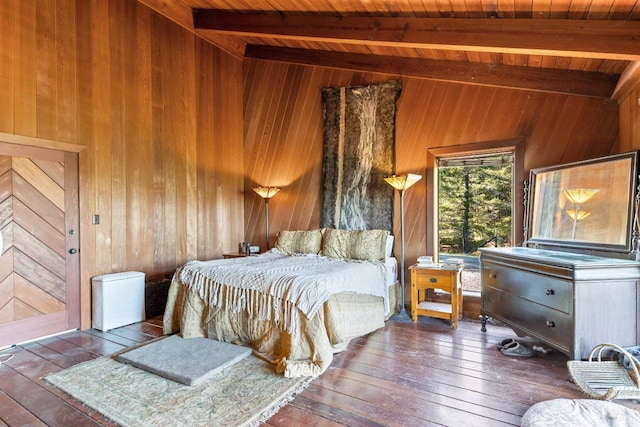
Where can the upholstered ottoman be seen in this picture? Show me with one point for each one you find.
(579, 413)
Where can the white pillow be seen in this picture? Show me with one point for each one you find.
(388, 250)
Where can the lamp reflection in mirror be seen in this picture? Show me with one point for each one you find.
(266, 193)
(578, 196)
(402, 183)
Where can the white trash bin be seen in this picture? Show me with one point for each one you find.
(118, 299)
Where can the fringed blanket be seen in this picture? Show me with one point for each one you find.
(277, 287)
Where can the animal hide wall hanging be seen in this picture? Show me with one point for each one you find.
(358, 151)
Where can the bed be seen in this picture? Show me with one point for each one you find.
(295, 305)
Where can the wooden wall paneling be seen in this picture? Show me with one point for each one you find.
(26, 69)
(7, 66)
(609, 117)
(66, 90)
(630, 121)
(279, 169)
(82, 74)
(47, 70)
(474, 101)
(174, 160)
(94, 133)
(120, 39)
(430, 114)
(162, 180)
(304, 133)
(140, 244)
(626, 123)
(207, 188)
(187, 158)
(498, 121)
(541, 147)
(257, 140)
(586, 126)
(229, 156)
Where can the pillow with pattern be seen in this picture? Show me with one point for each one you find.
(355, 244)
(299, 242)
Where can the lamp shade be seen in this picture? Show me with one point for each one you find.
(579, 215)
(402, 182)
(266, 192)
(580, 195)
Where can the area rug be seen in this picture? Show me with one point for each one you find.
(245, 394)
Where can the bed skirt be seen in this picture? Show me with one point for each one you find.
(306, 351)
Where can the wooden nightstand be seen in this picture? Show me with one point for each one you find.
(425, 278)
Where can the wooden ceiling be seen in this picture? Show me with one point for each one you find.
(584, 47)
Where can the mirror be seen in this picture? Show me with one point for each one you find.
(587, 204)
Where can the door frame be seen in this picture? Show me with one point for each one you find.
(37, 148)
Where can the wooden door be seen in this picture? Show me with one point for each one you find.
(39, 261)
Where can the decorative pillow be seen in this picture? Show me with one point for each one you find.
(388, 251)
(299, 242)
(355, 244)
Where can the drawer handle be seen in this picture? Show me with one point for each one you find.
(433, 279)
(549, 292)
(492, 275)
(551, 324)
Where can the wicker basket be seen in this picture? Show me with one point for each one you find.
(606, 379)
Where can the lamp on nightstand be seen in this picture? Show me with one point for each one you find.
(266, 193)
(402, 183)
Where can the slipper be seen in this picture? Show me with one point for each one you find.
(505, 342)
(517, 350)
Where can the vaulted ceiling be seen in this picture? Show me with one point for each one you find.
(584, 47)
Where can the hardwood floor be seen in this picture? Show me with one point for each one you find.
(403, 375)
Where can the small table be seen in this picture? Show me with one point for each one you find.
(435, 277)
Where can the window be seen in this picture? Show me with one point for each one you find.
(474, 208)
(476, 201)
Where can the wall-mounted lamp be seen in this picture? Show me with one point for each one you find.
(266, 193)
(402, 183)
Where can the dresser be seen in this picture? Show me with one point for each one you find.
(570, 301)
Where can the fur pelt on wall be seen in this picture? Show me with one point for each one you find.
(359, 150)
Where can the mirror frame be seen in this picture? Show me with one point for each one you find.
(632, 233)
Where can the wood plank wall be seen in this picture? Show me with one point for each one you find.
(630, 121)
(283, 137)
(160, 114)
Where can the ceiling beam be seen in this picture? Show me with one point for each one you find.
(601, 39)
(590, 84)
(629, 80)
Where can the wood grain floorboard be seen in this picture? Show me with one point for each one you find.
(405, 374)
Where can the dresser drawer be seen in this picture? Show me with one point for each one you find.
(554, 326)
(541, 289)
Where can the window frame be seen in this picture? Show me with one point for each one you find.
(516, 145)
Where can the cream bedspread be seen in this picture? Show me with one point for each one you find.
(297, 327)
